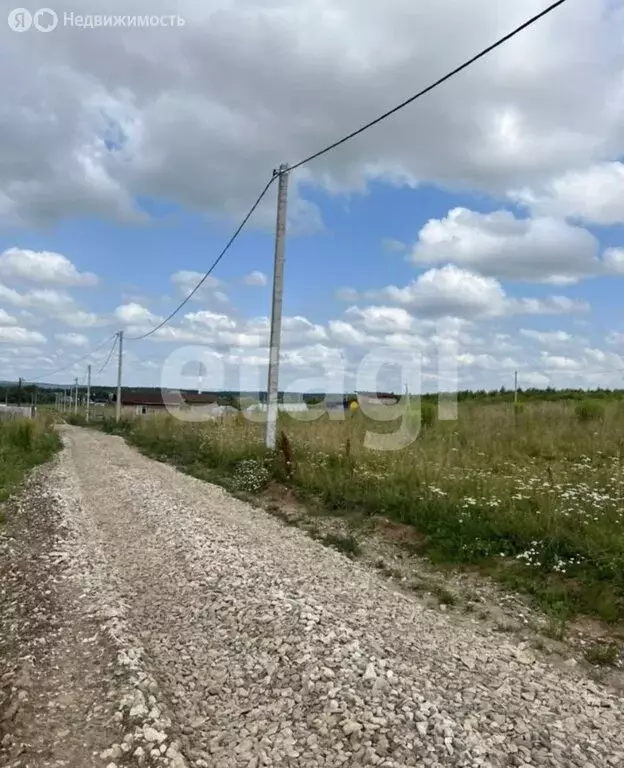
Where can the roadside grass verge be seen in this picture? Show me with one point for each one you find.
(24, 443)
(531, 496)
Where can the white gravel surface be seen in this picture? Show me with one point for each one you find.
(252, 645)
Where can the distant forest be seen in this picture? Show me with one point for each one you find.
(27, 394)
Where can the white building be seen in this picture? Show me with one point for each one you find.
(282, 407)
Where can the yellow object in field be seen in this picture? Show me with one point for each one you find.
(354, 405)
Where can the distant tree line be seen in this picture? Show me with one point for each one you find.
(14, 393)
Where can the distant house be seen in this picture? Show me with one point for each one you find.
(222, 411)
(337, 404)
(377, 398)
(282, 407)
(151, 400)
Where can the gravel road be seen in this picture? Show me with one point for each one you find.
(246, 643)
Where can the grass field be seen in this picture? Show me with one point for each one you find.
(530, 495)
(24, 444)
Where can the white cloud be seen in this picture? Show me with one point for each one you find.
(136, 315)
(499, 245)
(6, 318)
(42, 267)
(391, 245)
(548, 338)
(51, 304)
(18, 335)
(348, 295)
(382, 319)
(594, 194)
(211, 320)
(345, 334)
(614, 260)
(185, 281)
(256, 278)
(77, 318)
(560, 362)
(117, 121)
(72, 339)
(449, 291)
(452, 292)
(551, 305)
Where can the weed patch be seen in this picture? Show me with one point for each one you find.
(23, 445)
(533, 496)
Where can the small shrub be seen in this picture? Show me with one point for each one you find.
(556, 629)
(23, 445)
(428, 413)
(589, 410)
(603, 655)
(443, 595)
(348, 545)
(286, 451)
(76, 420)
(20, 435)
(250, 476)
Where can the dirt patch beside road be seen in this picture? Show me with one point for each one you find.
(57, 695)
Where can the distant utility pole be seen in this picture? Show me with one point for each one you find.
(75, 397)
(276, 310)
(19, 391)
(119, 372)
(88, 408)
(515, 387)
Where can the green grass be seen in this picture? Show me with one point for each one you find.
(348, 545)
(532, 496)
(23, 445)
(602, 654)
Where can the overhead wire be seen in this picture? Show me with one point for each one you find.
(73, 362)
(299, 164)
(431, 87)
(110, 354)
(343, 140)
(213, 266)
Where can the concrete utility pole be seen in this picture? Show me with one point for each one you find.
(515, 387)
(119, 372)
(276, 310)
(75, 397)
(88, 408)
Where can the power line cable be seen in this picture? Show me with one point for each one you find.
(431, 87)
(74, 362)
(110, 354)
(213, 266)
(338, 143)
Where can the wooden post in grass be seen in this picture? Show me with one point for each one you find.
(88, 404)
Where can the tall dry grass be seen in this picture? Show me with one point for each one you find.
(24, 443)
(533, 494)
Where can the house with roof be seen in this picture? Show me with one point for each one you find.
(143, 401)
(377, 398)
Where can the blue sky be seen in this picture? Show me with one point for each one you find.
(485, 222)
